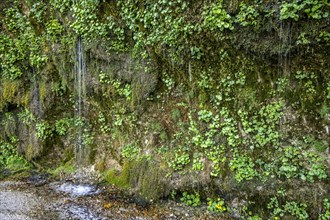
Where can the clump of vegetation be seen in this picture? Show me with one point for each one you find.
(326, 210)
(130, 152)
(217, 205)
(63, 170)
(10, 158)
(290, 208)
(191, 199)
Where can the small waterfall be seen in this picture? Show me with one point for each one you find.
(37, 111)
(284, 36)
(80, 103)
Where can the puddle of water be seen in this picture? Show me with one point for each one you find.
(76, 190)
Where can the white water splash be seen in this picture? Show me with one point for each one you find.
(77, 190)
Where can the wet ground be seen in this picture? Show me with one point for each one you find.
(39, 199)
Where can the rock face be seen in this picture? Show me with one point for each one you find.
(228, 99)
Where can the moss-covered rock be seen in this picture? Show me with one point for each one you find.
(143, 176)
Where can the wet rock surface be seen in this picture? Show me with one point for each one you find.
(72, 200)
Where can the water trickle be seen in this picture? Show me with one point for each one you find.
(80, 103)
(284, 36)
(36, 107)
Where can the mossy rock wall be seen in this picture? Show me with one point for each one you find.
(226, 98)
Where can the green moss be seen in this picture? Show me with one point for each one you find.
(25, 99)
(29, 152)
(120, 180)
(20, 175)
(43, 91)
(33, 147)
(156, 127)
(64, 169)
(320, 146)
(176, 114)
(9, 90)
(142, 175)
(68, 154)
(9, 125)
(163, 136)
(152, 182)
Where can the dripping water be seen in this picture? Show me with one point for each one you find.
(35, 104)
(80, 103)
(36, 110)
(287, 48)
(280, 48)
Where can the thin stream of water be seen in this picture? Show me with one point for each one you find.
(80, 99)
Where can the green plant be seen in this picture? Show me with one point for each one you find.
(326, 210)
(324, 111)
(263, 125)
(168, 81)
(303, 39)
(173, 194)
(58, 88)
(26, 117)
(306, 165)
(243, 167)
(86, 22)
(290, 10)
(87, 137)
(63, 125)
(315, 9)
(291, 208)
(8, 123)
(282, 84)
(217, 205)
(130, 151)
(105, 128)
(196, 52)
(118, 42)
(37, 11)
(54, 29)
(9, 157)
(205, 81)
(43, 130)
(180, 159)
(191, 199)
(176, 114)
(198, 162)
(247, 16)
(216, 17)
(255, 217)
(318, 145)
(61, 5)
(104, 78)
(162, 150)
(122, 89)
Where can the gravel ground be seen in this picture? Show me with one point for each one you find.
(60, 201)
(16, 205)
